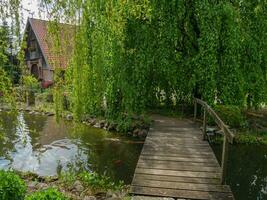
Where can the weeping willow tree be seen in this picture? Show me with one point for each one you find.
(131, 55)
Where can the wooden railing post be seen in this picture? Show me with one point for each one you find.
(224, 158)
(195, 110)
(228, 135)
(204, 124)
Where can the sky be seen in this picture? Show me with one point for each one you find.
(30, 8)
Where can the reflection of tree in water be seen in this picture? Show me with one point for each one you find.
(108, 155)
(36, 124)
(38, 143)
(8, 123)
(247, 171)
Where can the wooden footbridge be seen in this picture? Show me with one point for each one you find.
(176, 161)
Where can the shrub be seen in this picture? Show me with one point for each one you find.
(48, 194)
(96, 181)
(231, 115)
(11, 186)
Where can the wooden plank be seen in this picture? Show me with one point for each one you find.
(181, 163)
(178, 154)
(214, 181)
(181, 186)
(142, 197)
(176, 140)
(176, 162)
(174, 136)
(178, 145)
(174, 129)
(177, 173)
(178, 166)
(175, 132)
(188, 137)
(176, 150)
(183, 159)
(187, 194)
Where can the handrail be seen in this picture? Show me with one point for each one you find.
(228, 135)
(217, 119)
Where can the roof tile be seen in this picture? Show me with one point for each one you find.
(57, 57)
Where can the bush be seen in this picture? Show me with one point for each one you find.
(44, 97)
(231, 115)
(99, 182)
(48, 194)
(11, 186)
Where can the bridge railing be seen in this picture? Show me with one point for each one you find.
(228, 135)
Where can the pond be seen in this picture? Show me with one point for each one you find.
(39, 144)
(247, 171)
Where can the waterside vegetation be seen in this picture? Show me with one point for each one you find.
(66, 186)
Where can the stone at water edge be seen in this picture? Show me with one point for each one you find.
(92, 121)
(42, 186)
(69, 117)
(112, 127)
(97, 125)
(142, 133)
(89, 198)
(50, 114)
(136, 132)
(115, 195)
(77, 186)
(32, 185)
(152, 198)
(102, 123)
(27, 109)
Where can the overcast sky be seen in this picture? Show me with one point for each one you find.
(31, 9)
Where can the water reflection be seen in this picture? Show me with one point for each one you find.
(39, 144)
(247, 171)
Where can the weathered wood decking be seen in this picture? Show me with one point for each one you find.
(176, 162)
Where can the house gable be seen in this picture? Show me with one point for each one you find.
(41, 56)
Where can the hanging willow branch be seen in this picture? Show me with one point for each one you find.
(133, 55)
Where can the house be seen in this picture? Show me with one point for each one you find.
(43, 53)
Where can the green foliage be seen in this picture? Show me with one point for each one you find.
(251, 137)
(68, 177)
(48, 194)
(231, 115)
(31, 85)
(45, 96)
(6, 90)
(8, 61)
(131, 55)
(98, 182)
(30, 82)
(91, 179)
(3, 46)
(11, 186)
(124, 124)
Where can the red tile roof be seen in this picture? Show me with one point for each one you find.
(56, 57)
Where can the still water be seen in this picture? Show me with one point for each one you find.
(247, 171)
(39, 144)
